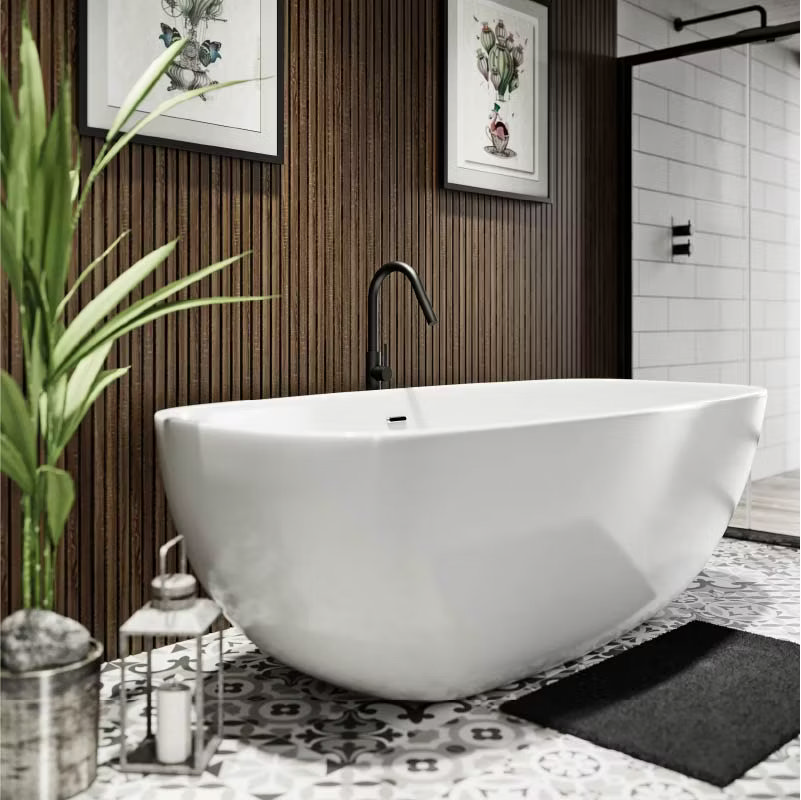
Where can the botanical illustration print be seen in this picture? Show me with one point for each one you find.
(500, 60)
(496, 85)
(223, 43)
(191, 69)
(289, 736)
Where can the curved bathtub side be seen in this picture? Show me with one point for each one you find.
(433, 567)
(261, 512)
(558, 538)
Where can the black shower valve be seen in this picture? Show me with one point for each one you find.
(682, 249)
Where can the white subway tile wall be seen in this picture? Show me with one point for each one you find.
(691, 314)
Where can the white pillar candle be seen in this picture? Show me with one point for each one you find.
(174, 722)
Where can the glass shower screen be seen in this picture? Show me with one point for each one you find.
(715, 243)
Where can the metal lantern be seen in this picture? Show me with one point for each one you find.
(175, 611)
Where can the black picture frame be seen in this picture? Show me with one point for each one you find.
(85, 129)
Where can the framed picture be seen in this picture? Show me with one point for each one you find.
(496, 103)
(227, 40)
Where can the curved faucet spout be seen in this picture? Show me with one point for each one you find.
(378, 372)
(373, 296)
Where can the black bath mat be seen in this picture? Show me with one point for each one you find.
(707, 701)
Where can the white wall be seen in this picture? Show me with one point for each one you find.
(690, 161)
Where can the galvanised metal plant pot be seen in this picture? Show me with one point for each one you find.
(48, 723)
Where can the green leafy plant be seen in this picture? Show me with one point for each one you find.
(41, 206)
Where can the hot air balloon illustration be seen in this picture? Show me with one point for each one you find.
(500, 60)
(487, 37)
(482, 63)
(190, 69)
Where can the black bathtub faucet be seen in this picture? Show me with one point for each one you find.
(379, 373)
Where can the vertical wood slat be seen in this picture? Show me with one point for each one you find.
(522, 289)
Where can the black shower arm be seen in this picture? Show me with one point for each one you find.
(679, 23)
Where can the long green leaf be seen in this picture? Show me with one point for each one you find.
(34, 307)
(51, 412)
(53, 176)
(35, 361)
(130, 104)
(94, 311)
(25, 149)
(142, 87)
(184, 305)
(160, 110)
(72, 422)
(125, 316)
(154, 314)
(15, 420)
(13, 464)
(59, 496)
(32, 104)
(83, 378)
(87, 272)
(55, 167)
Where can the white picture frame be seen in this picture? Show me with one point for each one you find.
(497, 104)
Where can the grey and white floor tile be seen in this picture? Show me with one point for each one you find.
(289, 736)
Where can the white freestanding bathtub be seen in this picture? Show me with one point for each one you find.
(498, 530)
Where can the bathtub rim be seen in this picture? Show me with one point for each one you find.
(188, 413)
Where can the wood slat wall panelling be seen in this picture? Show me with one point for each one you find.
(522, 290)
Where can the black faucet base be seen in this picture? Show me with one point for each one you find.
(377, 373)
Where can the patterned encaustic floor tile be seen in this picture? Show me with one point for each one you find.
(289, 736)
